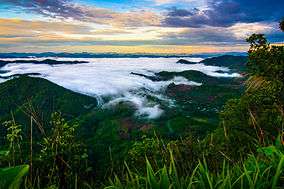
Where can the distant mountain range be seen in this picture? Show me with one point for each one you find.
(111, 55)
(46, 61)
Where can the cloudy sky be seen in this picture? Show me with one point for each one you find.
(136, 26)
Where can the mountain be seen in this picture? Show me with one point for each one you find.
(191, 103)
(46, 61)
(232, 62)
(195, 76)
(25, 93)
(111, 55)
(194, 110)
(236, 63)
(183, 61)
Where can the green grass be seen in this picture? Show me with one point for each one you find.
(257, 172)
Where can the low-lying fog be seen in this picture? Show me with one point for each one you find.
(111, 77)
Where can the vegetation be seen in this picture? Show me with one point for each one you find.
(236, 63)
(11, 178)
(109, 148)
(238, 154)
(282, 25)
(254, 172)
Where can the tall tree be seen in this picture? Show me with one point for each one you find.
(282, 25)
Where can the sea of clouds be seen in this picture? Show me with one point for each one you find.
(111, 77)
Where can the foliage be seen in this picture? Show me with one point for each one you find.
(236, 155)
(57, 159)
(236, 63)
(262, 171)
(154, 148)
(63, 155)
(25, 96)
(282, 24)
(14, 138)
(259, 112)
(12, 177)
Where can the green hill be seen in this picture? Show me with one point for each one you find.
(233, 62)
(24, 95)
(44, 94)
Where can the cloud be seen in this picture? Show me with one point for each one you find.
(54, 8)
(56, 33)
(162, 2)
(221, 22)
(225, 13)
(176, 12)
(39, 36)
(66, 9)
(47, 35)
(209, 35)
(9, 29)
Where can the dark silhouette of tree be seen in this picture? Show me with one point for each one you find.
(282, 25)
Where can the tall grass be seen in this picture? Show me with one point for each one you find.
(257, 172)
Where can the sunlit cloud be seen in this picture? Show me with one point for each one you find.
(64, 9)
(39, 31)
(161, 2)
(163, 49)
(162, 26)
(244, 30)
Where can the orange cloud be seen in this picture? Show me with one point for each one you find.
(39, 36)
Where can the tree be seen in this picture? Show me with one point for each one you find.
(14, 138)
(62, 156)
(259, 112)
(282, 25)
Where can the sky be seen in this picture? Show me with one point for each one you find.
(137, 26)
